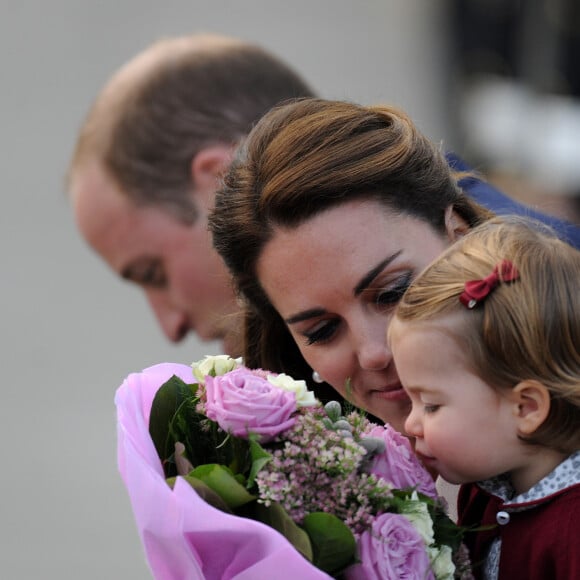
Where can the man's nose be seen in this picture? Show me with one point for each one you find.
(173, 321)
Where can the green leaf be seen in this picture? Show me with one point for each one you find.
(205, 492)
(276, 517)
(173, 396)
(260, 457)
(236, 455)
(221, 480)
(174, 418)
(445, 530)
(333, 543)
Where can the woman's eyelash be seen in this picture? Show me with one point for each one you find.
(322, 333)
(384, 297)
(393, 294)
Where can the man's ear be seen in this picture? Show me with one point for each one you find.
(531, 405)
(455, 225)
(206, 169)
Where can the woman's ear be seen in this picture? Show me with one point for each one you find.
(531, 400)
(455, 225)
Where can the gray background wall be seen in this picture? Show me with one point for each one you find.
(70, 331)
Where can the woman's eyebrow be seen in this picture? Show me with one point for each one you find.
(305, 315)
(363, 284)
(367, 279)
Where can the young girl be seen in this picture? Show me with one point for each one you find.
(486, 342)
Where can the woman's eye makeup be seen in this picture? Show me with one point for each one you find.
(322, 332)
(391, 294)
(384, 296)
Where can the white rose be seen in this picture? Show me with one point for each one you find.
(304, 397)
(442, 562)
(417, 513)
(214, 365)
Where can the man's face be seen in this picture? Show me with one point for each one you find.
(185, 281)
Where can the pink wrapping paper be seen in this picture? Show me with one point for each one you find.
(184, 538)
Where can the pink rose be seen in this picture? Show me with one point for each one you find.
(243, 402)
(398, 464)
(392, 548)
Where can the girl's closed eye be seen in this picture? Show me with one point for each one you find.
(430, 407)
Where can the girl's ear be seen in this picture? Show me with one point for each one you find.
(531, 401)
(455, 225)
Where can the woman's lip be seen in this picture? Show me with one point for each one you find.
(391, 393)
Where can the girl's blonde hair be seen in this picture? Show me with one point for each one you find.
(528, 329)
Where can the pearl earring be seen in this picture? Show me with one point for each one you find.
(316, 377)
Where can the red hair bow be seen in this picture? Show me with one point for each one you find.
(476, 290)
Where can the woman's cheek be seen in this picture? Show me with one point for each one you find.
(336, 373)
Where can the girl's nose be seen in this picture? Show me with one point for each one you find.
(413, 424)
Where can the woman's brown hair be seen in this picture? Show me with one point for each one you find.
(302, 159)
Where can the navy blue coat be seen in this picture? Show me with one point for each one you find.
(489, 197)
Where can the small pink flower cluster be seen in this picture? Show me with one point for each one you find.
(317, 469)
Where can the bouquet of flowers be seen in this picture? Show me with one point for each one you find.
(240, 473)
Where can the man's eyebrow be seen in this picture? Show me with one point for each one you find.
(305, 315)
(367, 279)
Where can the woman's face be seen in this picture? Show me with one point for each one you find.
(335, 280)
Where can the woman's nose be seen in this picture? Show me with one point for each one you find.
(373, 351)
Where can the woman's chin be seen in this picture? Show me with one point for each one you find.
(391, 410)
